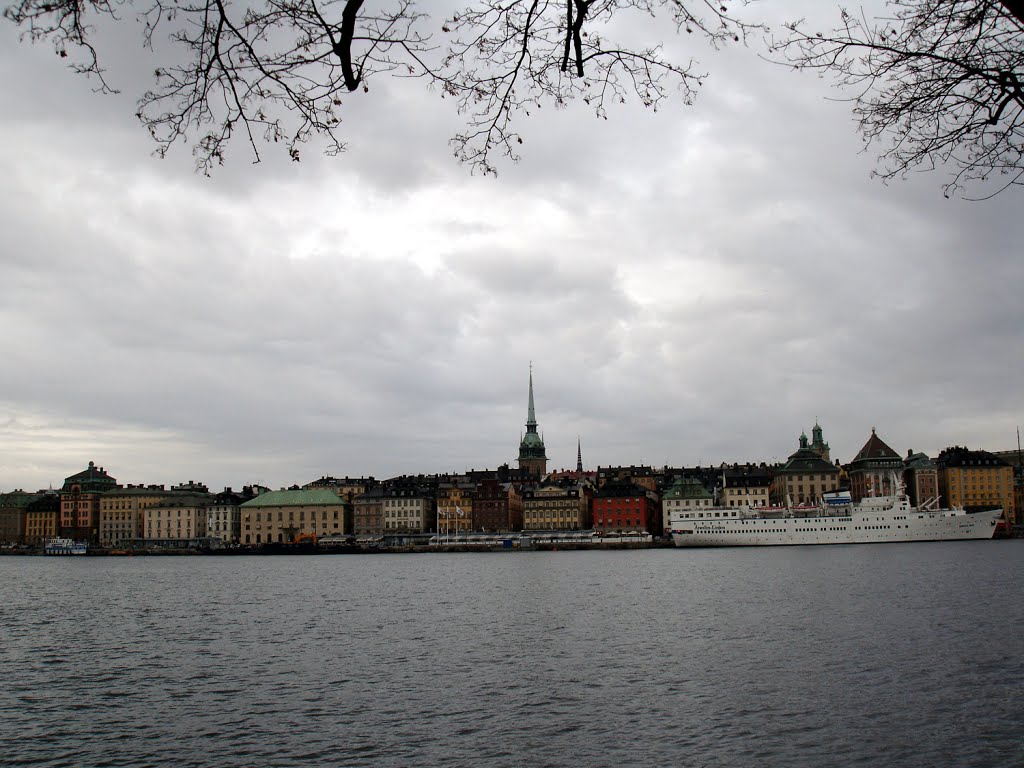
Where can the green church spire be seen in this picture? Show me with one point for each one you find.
(532, 455)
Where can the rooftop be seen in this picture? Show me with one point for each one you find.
(303, 497)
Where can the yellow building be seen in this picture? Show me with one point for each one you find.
(28, 518)
(407, 507)
(976, 480)
(41, 522)
(556, 508)
(455, 507)
(12, 515)
(746, 485)
(804, 477)
(281, 517)
(175, 519)
(685, 494)
(123, 513)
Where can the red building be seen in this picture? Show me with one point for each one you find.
(921, 477)
(625, 506)
(80, 503)
(497, 506)
(877, 470)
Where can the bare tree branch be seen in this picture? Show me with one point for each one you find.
(937, 84)
(275, 70)
(344, 45)
(511, 57)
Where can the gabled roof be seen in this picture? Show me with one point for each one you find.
(875, 449)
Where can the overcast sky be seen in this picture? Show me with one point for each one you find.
(693, 286)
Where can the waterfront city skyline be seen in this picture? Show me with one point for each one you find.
(693, 287)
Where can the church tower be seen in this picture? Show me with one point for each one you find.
(532, 457)
(818, 444)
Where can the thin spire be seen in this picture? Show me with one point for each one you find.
(531, 418)
(579, 454)
(531, 445)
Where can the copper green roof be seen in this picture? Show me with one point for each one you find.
(806, 460)
(91, 479)
(688, 488)
(301, 498)
(18, 499)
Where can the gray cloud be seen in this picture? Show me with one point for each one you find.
(697, 285)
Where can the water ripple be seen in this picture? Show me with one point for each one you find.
(862, 655)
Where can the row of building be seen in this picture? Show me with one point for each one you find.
(91, 505)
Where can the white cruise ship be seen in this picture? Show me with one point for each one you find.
(872, 520)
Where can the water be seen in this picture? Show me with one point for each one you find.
(900, 654)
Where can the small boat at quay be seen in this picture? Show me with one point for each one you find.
(65, 547)
(838, 520)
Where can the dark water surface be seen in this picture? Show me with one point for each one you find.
(874, 655)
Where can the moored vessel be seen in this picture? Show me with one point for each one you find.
(837, 521)
(65, 547)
